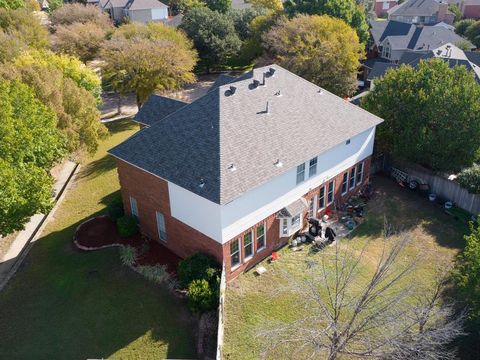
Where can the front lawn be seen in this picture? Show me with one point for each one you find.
(252, 302)
(67, 304)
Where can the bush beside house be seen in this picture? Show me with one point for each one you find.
(127, 226)
(470, 179)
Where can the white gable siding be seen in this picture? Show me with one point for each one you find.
(159, 14)
(222, 223)
(141, 16)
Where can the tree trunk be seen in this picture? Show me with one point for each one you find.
(139, 102)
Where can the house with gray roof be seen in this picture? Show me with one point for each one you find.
(392, 39)
(142, 11)
(237, 172)
(428, 12)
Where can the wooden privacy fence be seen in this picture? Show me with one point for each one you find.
(445, 188)
(221, 314)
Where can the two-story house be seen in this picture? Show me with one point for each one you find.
(236, 173)
(428, 12)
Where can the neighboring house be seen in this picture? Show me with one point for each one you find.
(426, 12)
(236, 173)
(142, 11)
(376, 68)
(391, 39)
(470, 9)
(381, 7)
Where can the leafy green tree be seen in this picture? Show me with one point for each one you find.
(272, 5)
(467, 271)
(321, 49)
(25, 26)
(469, 178)
(219, 5)
(242, 20)
(347, 10)
(473, 33)
(213, 35)
(145, 58)
(70, 66)
(432, 114)
(12, 4)
(10, 47)
(456, 11)
(81, 40)
(462, 26)
(77, 115)
(30, 145)
(54, 4)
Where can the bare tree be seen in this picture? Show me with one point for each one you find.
(380, 315)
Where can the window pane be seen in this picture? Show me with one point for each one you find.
(331, 186)
(321, 200)
(260, 237)
(234, 253)
(352, 178)
(359, 173)
(285, 227)
(162, 231)
(313, 167)
(134, 207)
(300, 173)
(247, 244)
(344, 183)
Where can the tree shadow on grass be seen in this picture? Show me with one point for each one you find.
(98, 167)
(65, 303)
(121, 126)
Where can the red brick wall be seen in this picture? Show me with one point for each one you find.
(378, 8)
(151, 194)
(471, 11)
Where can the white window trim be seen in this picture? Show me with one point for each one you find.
(239, 240)
(310, 167)
(264, 237)
(361, 178)
(159, 230)
(354, 177)
(251, 243)
(333, 192)
(324, 198)
(132, 207)
(290, 230)
(302, 172)
(347, 184)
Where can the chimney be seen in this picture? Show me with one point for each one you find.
(442, 11)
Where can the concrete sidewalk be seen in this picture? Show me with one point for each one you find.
(12, 258)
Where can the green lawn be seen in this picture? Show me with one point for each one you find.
(251, 302)
(66, 304)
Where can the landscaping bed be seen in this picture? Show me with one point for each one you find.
(101, 232)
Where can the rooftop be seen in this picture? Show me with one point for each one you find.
(235, 137)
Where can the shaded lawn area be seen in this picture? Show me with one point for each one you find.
(251, 301)
(67, 304)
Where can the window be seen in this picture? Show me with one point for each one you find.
(162, 231)
(284, 227)
(313, 167)
(385, 5)
(359, 173)
(134, 207)
(331, 186)
(352, 178)
(386, 51)
(312, 208)
(234, 253)
(295, 222)
(321, 199)
(345, 183)
(247, 245)
(260, 237)
(300, 173)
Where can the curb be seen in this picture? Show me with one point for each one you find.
(38, 231)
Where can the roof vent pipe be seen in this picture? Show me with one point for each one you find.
(268, 107)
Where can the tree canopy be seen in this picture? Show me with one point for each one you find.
(213, 35)
(347, 10)
(30, 145)
(23, 25)
(219, 5)
(145, 58)
(321, 49)
(78, 13)
(12, 4)
(432, 114)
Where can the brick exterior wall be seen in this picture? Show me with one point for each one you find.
(380, 11)
(151, 194)
(471, 11)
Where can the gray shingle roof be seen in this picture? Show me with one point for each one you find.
(293, 209)
(199, 143)
(379, 69)
(156, 108)
(473, 56)
(144, 4)
(222, 79)
(409, 36)
(415, 8)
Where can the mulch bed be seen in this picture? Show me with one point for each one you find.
(101, 232)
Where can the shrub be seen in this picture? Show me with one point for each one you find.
(115, 208)
(201, 296)
(462, 26)
(127, 226)
(196, 267)
(470, 179)
(155, 273)
(128, 255)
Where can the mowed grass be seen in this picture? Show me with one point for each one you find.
(67, 304)
(252, 303)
